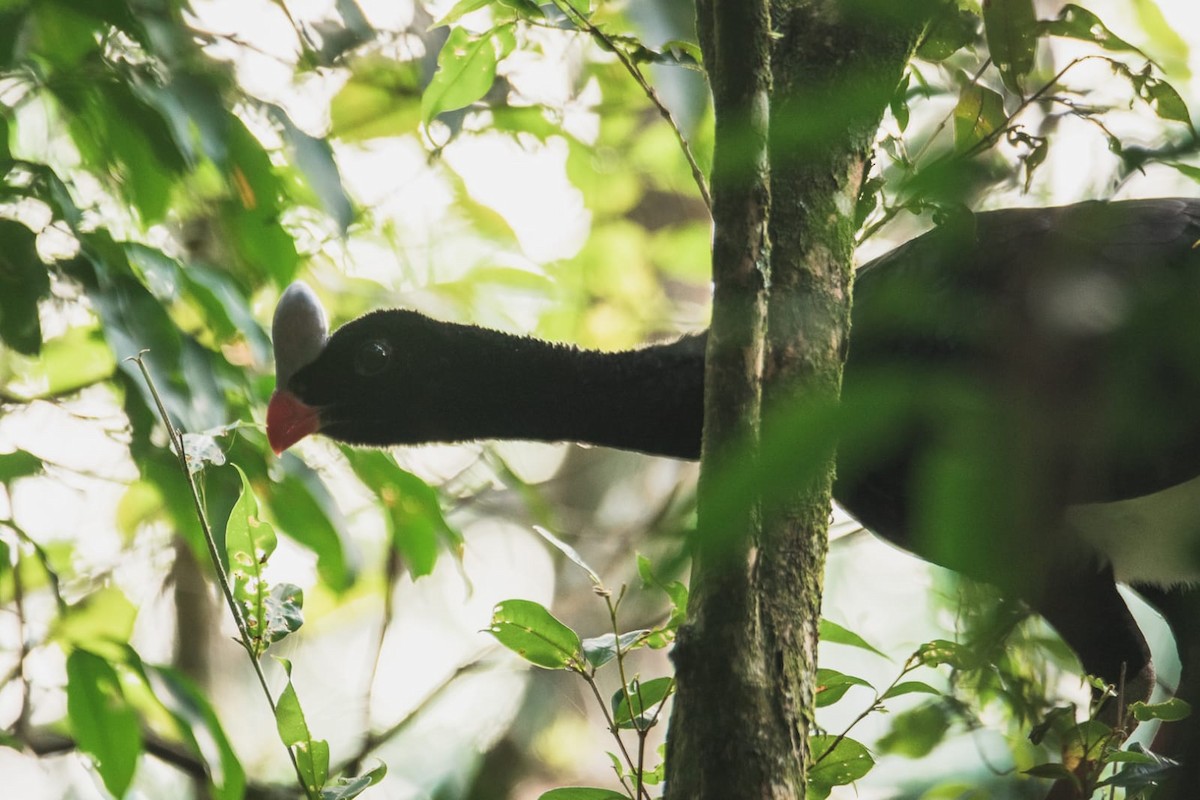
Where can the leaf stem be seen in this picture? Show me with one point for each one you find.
(612, 727)
(586, 25)
(176, 437)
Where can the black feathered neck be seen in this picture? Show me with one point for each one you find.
(445, 382)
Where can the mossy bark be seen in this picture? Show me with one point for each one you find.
(799, 89)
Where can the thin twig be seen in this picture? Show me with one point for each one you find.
(23, 651)
(583, 23)
(984, 143)
(612, 725)
(43, 558)
(373, 740)
(47, 742)
(909, 666)
(176, 437)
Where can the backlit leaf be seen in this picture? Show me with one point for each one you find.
(532, 632)
(581, 793)
(1012, 28)
(312, 755)
(1075, 22)
(102, 722)
(836, 634)
(382, 98)
(466, 70)
(249, 542)
(346, 788)
(18, 464)
(96, 621)
(978, 114)
(461, 8)
(306, 512)
(837, 762)
(638, 707)
(412, 511)
(916, 732)
(23, 282)
(601, 649)
(1171, 710)
(200, 729)
(833, 685)
(284, 612)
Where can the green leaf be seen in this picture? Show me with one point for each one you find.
(134, 319)
(1171, 710)
(1166, 102)
(200, 729)
(78, 358)
(284, 612)
(532, 632)
(950, 31)
(898, 105)
(1075, 22)
(602, 649)
(23, 282)
(1012, 28)
(837, 764)
(909, 687)
(18, 464)
(525, 9)
(249, 542)
(345, 788)
(306, 512)
(118, 132)
(683, 52)
(12, 25)
(312, 755)
(568, 551)
(411, 508)
(833, 685)
(535, 120)
(943, 651)
(978, 114)
(1187, 170)
(1052, 772)
(102, 722)
(1132, 757)
(638, 708)
(581, 793)
(314, 158)
(915, 733)
(836, 634)
(225, 309)
(62, 34)
(675, 591)
(466, 71)
(97, 621)
(460, 9)
(1170, 48)
(382, 98)
(252, 212)
(1039, 149)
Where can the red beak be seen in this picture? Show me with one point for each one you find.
(289, 420)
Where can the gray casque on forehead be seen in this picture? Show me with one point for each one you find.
(299, 331)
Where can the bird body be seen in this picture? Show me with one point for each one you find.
(1041, 379)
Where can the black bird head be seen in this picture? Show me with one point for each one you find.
(389, 377)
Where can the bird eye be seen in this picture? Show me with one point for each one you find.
(372, 357)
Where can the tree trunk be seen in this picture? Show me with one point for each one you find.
(798, 90)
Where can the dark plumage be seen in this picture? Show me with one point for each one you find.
(1065, 342)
